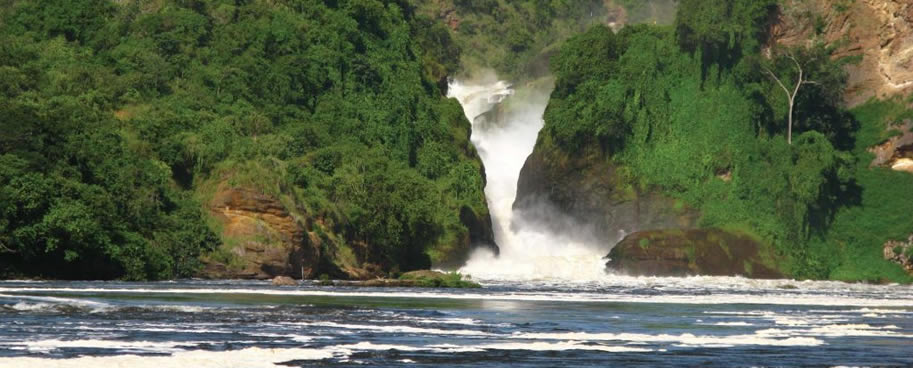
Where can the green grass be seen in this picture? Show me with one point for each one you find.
(857, 236)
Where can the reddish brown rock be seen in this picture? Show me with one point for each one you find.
(881, 31)
(268, 240)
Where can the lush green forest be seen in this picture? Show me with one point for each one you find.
(514, 38)
(694, 111)
(118, 118)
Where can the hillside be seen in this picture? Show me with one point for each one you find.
(669, 123)
(142, 140)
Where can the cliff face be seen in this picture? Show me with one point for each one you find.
(589, 188)
(692, 252)
(881, 31)
(265, 237)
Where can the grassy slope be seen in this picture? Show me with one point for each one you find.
(858, 233)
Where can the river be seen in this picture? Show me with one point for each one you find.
(615, 321)
(546, 301)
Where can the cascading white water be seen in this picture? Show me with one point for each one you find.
(528, 252)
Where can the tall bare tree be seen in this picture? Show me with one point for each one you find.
(791, 95)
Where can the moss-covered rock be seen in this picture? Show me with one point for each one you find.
(711, 252)
(421, 278)
(594, 191)
(426, 278)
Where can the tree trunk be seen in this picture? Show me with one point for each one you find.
(789, 128)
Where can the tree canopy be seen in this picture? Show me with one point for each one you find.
(117, 117)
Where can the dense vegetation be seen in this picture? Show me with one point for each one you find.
(693, 111)
(513, 38)
(119, 119)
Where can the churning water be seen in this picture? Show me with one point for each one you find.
(505, 124)
(626, 321)
(546, 301)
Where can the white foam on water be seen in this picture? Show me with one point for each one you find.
(392, 329)
(244, 358)
(733, 324)
(370, 346)
(880, 311)
(900, 298)
(433, 321)
(35, 303)
(857, 330)
(174, 308)
(561, 346)
(790, 321)
(292, 337)
(526, 252)
(193, 330)
(683, 339)
(446, 321)
(53, 344)
(33, 307)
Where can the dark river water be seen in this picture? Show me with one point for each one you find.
(617, 321)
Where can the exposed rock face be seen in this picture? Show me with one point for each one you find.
(879, 30)
(710, 252)
(897, 147)
(587, 187)
(904, 164)
(270, 240)
(896, 36)
(900, 252)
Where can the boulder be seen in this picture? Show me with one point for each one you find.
(284, 281)
(711, 252)
(904, 164)
(897, 151)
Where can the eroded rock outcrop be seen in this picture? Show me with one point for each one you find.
(897, 152)
(589, 188)
(900, 252)
(881, 31)
(710, 252)
(267, 240)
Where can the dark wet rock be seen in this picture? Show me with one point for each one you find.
(590, 189)
(711, 252)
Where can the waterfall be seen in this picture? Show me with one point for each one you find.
(505, 124)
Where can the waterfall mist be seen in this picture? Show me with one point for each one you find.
(505, 123)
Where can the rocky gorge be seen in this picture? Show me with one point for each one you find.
(658, 234)
(598, 192)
